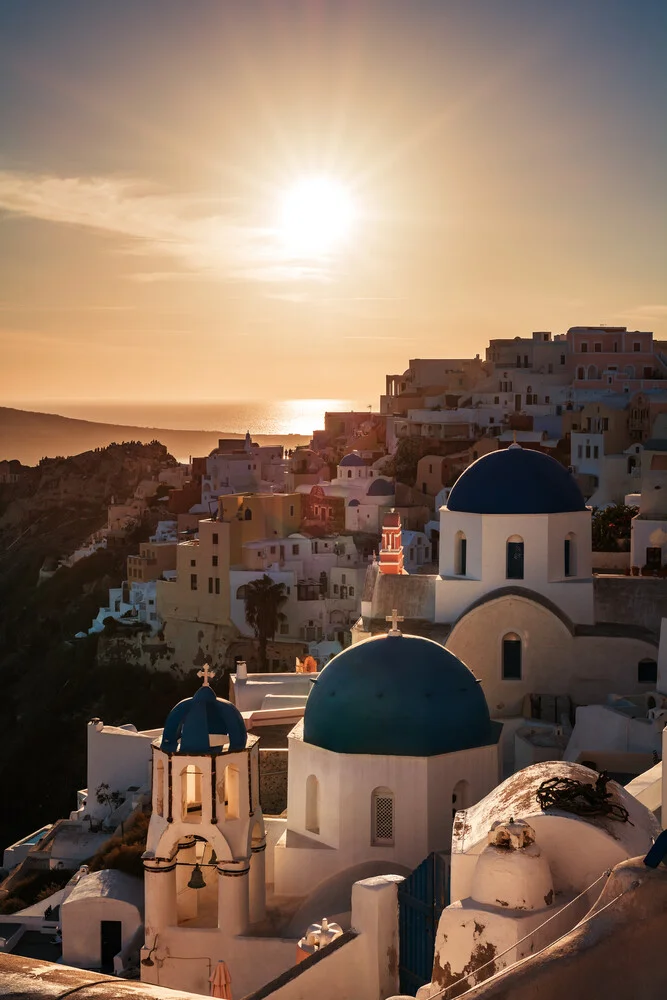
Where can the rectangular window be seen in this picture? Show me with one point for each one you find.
(273, 550)
(496, 399)
(562, 359)
(653, 557)
(584, 348)
(598, 348)
(215, 539)
(214, 560)
(547, 399)
(512, 659)
(580, 451)
(291, 510)
(295, 550)
(351, 591)
(210, 584)
(342, 579)
(647, 672)
(588, 451)
(193, 581)
(335, 588)
(430, 468)
(596, 451)
(636, 348)
(284, 628)
(217, 584)
(383, 819)
(515, 560)
(193, 562)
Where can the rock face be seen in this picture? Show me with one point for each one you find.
(52, 685)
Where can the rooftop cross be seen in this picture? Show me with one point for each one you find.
(206, 673)
(394, 618)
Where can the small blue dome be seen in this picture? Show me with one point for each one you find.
(397, 695)
(353, 503)
(353, 459)
(192, 722)
(516, 481)
(381, 488)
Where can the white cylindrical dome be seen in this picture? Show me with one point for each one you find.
(519, 879)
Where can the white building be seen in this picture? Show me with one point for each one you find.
(129, 605)
(388, 722)
(515, 866)
(648, 544)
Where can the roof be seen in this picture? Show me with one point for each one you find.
(193, 721)
(354, 458)
(397, 695)
(109, 884)
(381, 488)
(516, 480)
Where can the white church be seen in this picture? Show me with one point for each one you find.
(515, 597)
(395, 728)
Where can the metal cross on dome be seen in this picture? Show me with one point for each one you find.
(206, 673)
(394, 618)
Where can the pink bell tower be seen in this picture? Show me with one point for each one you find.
(391, 553)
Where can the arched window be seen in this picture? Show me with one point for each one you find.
(240, 593)
(515, 557)
(630, 371)
(460, 554)
(592, 372)
(312, 804)
(459, 797)
(248, 514)
(232, 792)
(511, 657)
(570, 555)
(159, 788)
(191, 801)
(382, 816)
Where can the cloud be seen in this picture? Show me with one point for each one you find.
(203, 236)
(644, 313)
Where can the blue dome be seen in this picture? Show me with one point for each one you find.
(397, 695)
(381, 488)
(515, 481)
(353, 459)
(192, 722)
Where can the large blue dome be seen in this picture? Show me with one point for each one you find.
(515, 481)
(398, 695)
(192, 722)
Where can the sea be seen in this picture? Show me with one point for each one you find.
(260, 417)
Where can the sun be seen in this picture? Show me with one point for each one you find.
(316, 216)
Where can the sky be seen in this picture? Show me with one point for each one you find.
(503, 162)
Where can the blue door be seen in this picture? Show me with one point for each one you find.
(421, 899)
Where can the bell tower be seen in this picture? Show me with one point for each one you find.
(204, 858)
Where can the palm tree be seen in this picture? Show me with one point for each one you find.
(263, 601)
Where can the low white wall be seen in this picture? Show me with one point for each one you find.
(81, 930)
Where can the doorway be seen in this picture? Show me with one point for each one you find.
(111, 942)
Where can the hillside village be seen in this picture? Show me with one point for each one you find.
(427, 649)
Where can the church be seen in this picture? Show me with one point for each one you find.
(515, 597)
(396, 737)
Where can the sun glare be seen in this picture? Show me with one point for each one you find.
(316, 217)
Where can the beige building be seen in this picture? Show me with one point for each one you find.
(154, 559)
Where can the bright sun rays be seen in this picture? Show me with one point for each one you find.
(316, 216)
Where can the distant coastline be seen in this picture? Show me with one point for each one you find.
(29, 435)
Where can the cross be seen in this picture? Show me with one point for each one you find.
(206, 673)
(394, 618)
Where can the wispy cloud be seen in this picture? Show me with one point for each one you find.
(642, 314)
(202, 236)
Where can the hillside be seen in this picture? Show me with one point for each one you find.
(29, 436)
(51, 685)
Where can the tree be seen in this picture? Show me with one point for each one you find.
(105, 797)
(610, 524)
(263, 601)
